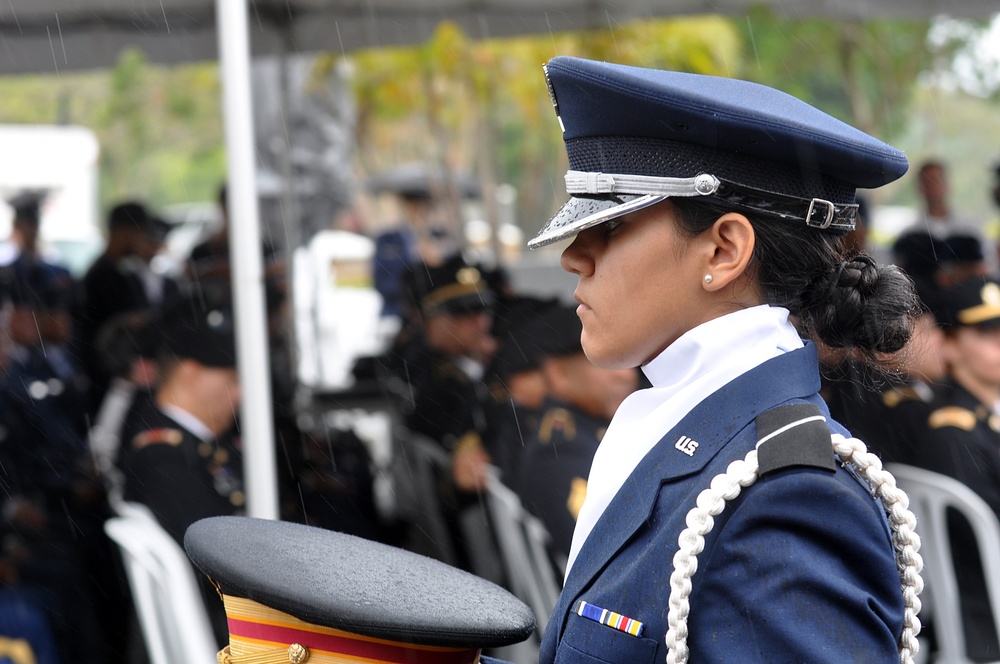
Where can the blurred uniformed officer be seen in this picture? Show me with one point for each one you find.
(581, 399)
(959, 436)
(43, 290)
(107, 293)
(53, 503)
(444, 364)
(176, 456)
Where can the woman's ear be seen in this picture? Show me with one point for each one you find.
(733, 239)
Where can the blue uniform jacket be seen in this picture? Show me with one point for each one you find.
(798, 568)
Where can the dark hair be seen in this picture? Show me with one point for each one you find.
(846, 302)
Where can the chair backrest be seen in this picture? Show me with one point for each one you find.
(931, 495)
(524, 548)
(171, 611)
(104, 437)
(418, 463)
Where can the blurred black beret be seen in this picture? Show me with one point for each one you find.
(290, 587)
(196, 329)
(920, 254)
(963, 249)
(27, 206)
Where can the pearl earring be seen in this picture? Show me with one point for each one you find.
(708, 278)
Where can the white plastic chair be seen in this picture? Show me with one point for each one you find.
(170, 607)
(104, 437)
(931, 494)
(523, 542)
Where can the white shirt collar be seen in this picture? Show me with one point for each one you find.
(697, 364)
(188, 421)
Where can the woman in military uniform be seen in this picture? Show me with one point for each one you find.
(705, 217)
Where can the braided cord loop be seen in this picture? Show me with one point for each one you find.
(744, 472)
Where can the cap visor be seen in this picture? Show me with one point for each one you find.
(582, 212)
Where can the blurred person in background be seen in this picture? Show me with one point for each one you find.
(157, 289)
(581, 400)
(176, 455)
(45, 286)
(179, 454)
(53, 500)
(959, 436)
(938, 217)
(516, 384)
(106, 291)
(437, 370)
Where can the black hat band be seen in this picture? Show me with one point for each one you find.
(660, 157)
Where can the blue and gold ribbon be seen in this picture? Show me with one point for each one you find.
(609, 618)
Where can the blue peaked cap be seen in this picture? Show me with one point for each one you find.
(636, 136)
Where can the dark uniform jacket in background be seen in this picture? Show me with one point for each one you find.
(555, 466)
(960, 438)
(446, 403)
(179, 476)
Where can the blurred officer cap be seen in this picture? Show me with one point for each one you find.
(157, 228)
(27, 206)
(635, 137)
(195, 329)
(519, 348)
(456, 288)
(298, 592)
(972, 302)
(963, 249)
(128, 215)
(919, 254)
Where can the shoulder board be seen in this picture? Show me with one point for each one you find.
(164, 436)
(952, 416)
(557, 419)
(794, 435)
(898, 395)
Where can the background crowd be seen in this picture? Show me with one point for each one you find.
(122, 385)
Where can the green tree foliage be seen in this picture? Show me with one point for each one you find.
(484, 104)
(160, 129)
(863, 73)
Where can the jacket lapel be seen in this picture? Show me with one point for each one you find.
(711, 424)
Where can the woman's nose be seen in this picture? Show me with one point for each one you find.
(577, 257)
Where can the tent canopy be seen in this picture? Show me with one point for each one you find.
(51, 36)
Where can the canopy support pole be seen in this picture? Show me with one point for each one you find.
(246, 257)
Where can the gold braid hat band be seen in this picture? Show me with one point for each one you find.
(261, 635)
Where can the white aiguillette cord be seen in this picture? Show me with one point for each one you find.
(744, 472)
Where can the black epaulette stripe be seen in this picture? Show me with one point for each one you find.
(794, 435)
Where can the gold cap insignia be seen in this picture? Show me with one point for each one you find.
(987, 311)
(470, 275)
(298, 653)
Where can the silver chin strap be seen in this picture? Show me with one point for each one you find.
(582, 182)
(815, 212)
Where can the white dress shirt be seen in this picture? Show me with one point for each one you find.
(697, 364)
